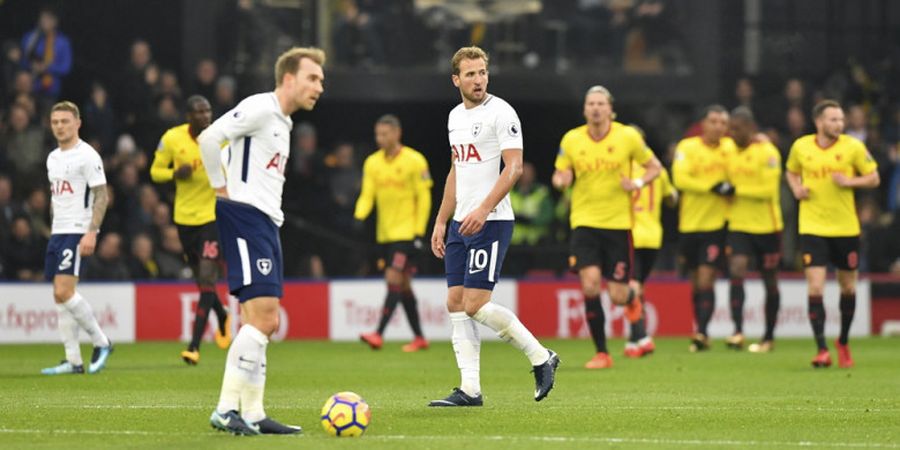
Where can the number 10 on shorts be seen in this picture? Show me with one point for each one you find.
(480, 259)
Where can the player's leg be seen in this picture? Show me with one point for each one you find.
(710, 252)
(584, 259)
(63, 289)
(640, 344)
(738, 262)
(411, 308)
(846, 249)
(464, 335)
(393, 277)
(815, 259)
(771, 259)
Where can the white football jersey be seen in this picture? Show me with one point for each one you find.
(72, 173)
(477, 136)
(259, 142)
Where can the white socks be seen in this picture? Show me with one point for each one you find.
(244, 382)
(68, 331)
(467, 346)
(83, 315)
(510, 329)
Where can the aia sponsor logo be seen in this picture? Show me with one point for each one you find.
(61, 187)
(466, 152)
(278, 162)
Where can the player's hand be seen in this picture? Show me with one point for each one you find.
(183, 172)
(840, 179)
(723, 188)
(88, 243)
(437, 239)
(562, 179)
(473, 222)
(221, 192)
(801, 193)
(630, 185)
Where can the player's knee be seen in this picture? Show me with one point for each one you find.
(62, 293)
(472, 308)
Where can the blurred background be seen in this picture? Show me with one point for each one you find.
(130, 65)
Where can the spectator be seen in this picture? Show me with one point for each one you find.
(857, 123)
(127, 195)
(343, 182)
(141, 264)
(533, 206)
(47, 54)
(170, 258)
(8, 209)
(307, 167)
(37, 209)
(134, 96)
(24, 252)
(745, 95)
(205, 78)
(22, 83)
(99, 119)
(9, 66)
(356, 37)
(226, 95)
(168, 86)
(25, 148)
(107, 263)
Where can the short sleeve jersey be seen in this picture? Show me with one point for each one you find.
(72, 173)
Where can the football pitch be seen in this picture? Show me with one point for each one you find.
(148, 398)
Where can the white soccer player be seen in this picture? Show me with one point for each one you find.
(248, 214)
(483, 130)
(78, 204)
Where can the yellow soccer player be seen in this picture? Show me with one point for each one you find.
(754, 223)
(178, 158)
(648, 236)
(396, 181)
(699, 173)
(823, 170)
(598, 156)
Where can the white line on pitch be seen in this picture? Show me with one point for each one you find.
(547, 439)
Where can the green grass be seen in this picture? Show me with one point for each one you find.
(147, 398)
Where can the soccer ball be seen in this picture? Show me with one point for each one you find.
(346, 414)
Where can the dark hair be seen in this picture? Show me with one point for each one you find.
(389, 119)
(822, 106)
(742, 113)
(716, 108)
(193, 100)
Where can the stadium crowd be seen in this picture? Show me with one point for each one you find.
(124, 121)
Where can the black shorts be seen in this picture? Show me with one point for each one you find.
(766, 248)
(702, 248)
(200, 242)
(401, 255)
(644, 258)
(842, 252)
(612, 250)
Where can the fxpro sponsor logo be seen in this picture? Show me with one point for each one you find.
(573, 323)
(28, 313)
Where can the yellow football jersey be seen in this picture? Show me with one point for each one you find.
(598, 200)
(755, 173)
(400, 187)
(648, 230)
(697, 168)
(830, 210)
(195, 200)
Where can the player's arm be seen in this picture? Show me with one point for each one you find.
(562, 169)
(512, 170)
(448, 205)
(864, 164)
(652, 168)
(767, 187)
(366, 200)
(423, 199)
(683, 177)
(793, 175)
(670, 194)
(241, 121)
(96, 179)
(161, 170)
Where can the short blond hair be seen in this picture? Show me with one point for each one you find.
(289, 61)
(66, 106)
(472, 52)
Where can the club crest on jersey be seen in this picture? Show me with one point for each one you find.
(476, 128)
(264, 265)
